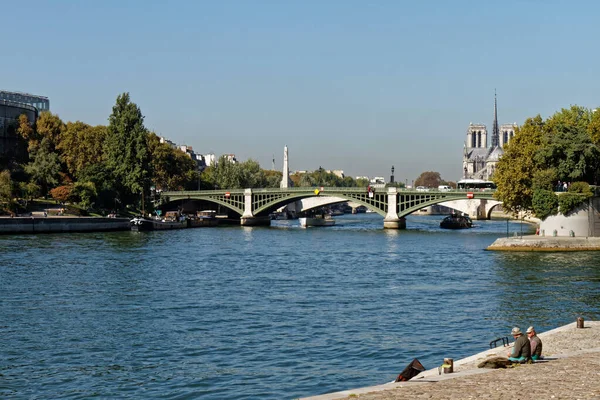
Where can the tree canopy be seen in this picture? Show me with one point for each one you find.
(564, 147)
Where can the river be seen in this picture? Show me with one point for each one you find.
(268, 313)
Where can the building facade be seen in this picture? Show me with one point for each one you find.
(42, 103)
(479, 157)
(12, 105)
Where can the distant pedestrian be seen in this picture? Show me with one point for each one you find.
(565, 186)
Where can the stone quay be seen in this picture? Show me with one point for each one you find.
(570, 370)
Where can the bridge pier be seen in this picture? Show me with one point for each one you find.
(248, 218)
(255, 221)
(391, 220)
(398, 223)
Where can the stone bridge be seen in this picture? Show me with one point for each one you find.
(255, 205)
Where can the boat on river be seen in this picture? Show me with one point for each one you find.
(455, 221)
(317, 220)
(203, 218)
(147, 224)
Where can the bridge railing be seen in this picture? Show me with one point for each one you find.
(321, 189)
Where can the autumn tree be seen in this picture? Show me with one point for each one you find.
(6, 186)
(80, 146)
(62, 193)
(429, 179)
(48, 126)
(27, 133)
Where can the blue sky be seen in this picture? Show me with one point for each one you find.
(352, 85)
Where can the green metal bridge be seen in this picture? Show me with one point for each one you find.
(255, 205)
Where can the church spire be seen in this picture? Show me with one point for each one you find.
(495, 130)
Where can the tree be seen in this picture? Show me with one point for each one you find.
(273, 178)
(6, 186)
(45, 167)
(84, 193)
(48, 126)
(61, 193)
(29, 190)
(429, 179)
(515, 170)
(26, 131)
(126, 148)
(172, 169)
(81, 145)
(544, 203)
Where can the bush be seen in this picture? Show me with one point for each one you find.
(567, 202)
(544, 203)
(581, 187)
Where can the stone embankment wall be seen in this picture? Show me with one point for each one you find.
(583, 222)
(62, 224)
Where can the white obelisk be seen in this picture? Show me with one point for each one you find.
(285, 179)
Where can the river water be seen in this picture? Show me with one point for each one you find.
(267, 313)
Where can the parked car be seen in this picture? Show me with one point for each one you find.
(422, 189)
(444, 188)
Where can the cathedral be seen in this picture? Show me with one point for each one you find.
(479, 160)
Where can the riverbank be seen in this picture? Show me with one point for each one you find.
(569, 371)
(546, 243)
(35, 224)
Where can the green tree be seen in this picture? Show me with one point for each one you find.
(45, 167)
(273, 178)
(228, 175)
(126, 148)
(362, 182)
(172, 169)
(515, 170)
(544, 179)
(544, 203)
(252, 176)
(29, 190)
(84, 193)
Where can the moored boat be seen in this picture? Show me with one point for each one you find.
(455, 221)
(203, 218)
(145, 224)
(318, 220)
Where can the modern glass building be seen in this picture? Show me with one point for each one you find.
(40, 102)
(12, 105)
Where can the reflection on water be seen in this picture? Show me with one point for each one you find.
(256, 312)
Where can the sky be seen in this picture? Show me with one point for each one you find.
(359, 86)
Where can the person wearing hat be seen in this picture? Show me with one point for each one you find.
(522, 349)
(536, 343)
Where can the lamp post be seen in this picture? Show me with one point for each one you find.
(392, 177)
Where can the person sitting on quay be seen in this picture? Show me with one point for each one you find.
(536, 344)
(521, 352)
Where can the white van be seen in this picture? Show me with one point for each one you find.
(444, 188)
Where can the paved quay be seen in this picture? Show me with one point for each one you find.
(545, 243)
(571, 370)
